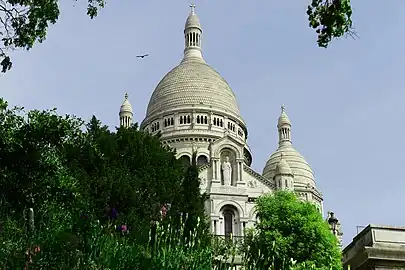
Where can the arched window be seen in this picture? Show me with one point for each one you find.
(202, 160)
(198, 119)
(171, 121)
(205, 120)
(188, 119)
(185, 160)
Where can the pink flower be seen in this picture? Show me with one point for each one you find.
(163, 211)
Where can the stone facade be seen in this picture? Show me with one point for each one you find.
(376, 248)
(195, 109)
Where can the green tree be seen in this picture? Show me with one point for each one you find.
(39, 198)
(31, 156)
(68, 175)
(128, 171)
(25, 22)
(290, 229)
(194, 202)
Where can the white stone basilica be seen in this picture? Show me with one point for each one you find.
(194, 109)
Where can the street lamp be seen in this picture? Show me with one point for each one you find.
(333, 221)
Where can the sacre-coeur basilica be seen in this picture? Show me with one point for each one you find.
(195, 109)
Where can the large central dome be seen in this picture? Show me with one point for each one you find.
(193, 82)
(193, 105)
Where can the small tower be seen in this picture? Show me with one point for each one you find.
(284, 128)
(284, 177)
(126, 113)
(192, 36)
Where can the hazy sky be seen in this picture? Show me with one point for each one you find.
(345, 102)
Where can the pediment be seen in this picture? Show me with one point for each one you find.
(228, 138)
(227, 141)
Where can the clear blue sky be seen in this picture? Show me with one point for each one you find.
(345, 102)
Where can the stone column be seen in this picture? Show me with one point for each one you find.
(216, 173)
(213, 226)
(176, 121)
(218, 167)
(243, 228)
(193, 118)
(212, 206)
(240, 172)
(215, 169)
(217, 229)
(235, 227)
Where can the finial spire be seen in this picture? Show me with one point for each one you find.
(282, 108)
(192, 6)
(126, 96)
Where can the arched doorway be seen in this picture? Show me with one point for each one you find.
(230, 221)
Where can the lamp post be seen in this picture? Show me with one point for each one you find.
(333, 221)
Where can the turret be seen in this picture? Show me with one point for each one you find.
(126, 113)
(284, 128)
(192, 36)
(284, 177)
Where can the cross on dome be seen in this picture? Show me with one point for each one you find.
(192, 6)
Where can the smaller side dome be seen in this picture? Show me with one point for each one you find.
(283, 119)
(126, 106)
(282, 167)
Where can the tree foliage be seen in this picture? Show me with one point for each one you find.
(25, 22)
(128, 171)
(330, 19)
(77, 179)
(290, 232)
(32, 168)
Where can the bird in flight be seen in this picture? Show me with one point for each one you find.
(142, 56)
